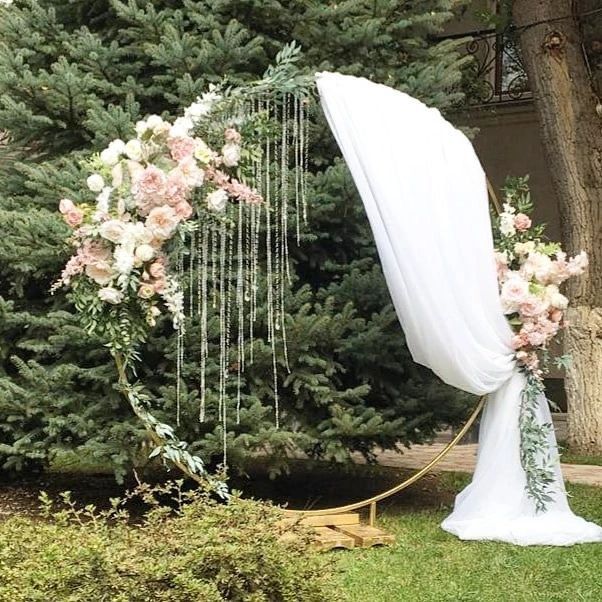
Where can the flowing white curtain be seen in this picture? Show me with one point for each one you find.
(426, 199)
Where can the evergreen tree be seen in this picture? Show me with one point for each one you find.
(73, 76)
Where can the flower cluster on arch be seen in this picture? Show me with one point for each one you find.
(143, 192)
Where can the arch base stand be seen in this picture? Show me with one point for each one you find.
(340, 526)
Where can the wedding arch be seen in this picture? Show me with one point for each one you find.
(425, 195)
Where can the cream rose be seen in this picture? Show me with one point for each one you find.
(95, 182)
(101, 272)
(110, 295)
(217, 200)
(112, 230)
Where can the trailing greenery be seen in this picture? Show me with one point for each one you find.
(187, 548)
(74, 76)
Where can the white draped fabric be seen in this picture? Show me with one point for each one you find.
(426, 199)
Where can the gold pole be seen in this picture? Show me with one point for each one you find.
(402, 485)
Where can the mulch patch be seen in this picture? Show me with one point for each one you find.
(309, 485)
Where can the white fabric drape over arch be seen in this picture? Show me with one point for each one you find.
(426, 199)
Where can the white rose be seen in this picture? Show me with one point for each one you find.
(217, 200)
(524, 248)
(133, 150)
(154, 121)
(555, 298)
(109, 157)
(6, 2)
(95, 182)
(117, 146)
(231, 154)
(141, 127)
(110, 295)
(144, 253)
(112, 230)
(117, 175)
(181, 127)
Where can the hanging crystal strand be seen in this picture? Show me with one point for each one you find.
(222, 336)
(179, 342)
(304, 141)
(240, 304)
(297, 120)
(214, 267)
(269, 271)
(277, 220)
(203, 309)
(285, 193)
(191, 277)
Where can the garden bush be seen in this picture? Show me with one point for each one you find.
(186, 547)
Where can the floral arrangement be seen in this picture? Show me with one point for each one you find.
(120, 274)
(530, 271)
(143, 191)
(193, 188)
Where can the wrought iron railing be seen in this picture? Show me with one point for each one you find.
(497, 74)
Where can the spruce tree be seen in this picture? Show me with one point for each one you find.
(73, 76)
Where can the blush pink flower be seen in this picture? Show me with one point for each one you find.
(162, 222)
(149, 188)
(532, 306)
(514, 291)
(101, 272)
(157, 268)
(522, 222)
(176, 189)
(183, 210)
(74, 217)
(232, 135)
(181, 147)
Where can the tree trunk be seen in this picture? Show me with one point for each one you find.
(572, 137)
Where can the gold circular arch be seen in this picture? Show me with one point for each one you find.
(365, 503)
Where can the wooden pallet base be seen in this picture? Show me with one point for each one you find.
(345, 531)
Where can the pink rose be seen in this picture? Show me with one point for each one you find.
(176, 189)
(162, 222)
(157, 269)
(532, 306)
(101, 272)
(66, 205)
(191, 173)
(522, 222)
(556, 315)
(181, 147)
(232, 135)
(183, 210)
(74, 217)
(149, 189)
(514, 291)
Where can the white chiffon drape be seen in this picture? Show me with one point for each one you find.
(426, 199)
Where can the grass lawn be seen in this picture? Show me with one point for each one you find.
(427, 564)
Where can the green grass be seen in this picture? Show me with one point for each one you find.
(427, 565)
(568, 457)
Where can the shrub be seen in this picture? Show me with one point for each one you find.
(200, 550)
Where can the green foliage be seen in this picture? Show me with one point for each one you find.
(195, 549)
(75, 75)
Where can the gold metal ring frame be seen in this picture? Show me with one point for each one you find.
(368, 502)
